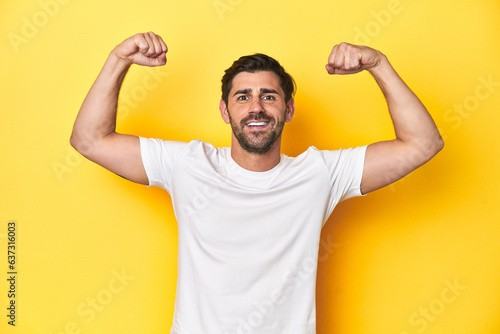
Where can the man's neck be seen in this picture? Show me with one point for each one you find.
(256, 162)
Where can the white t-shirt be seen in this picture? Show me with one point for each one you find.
(248, 241)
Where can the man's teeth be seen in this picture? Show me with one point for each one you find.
(256, 123)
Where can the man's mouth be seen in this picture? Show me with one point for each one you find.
(257, 123)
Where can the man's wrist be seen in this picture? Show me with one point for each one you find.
(116, 66)
(119, 62)
(382, 66)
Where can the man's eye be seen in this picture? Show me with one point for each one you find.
(242, 98)
(269, 98)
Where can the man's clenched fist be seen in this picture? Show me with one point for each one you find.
(146, 49)
(348, 59)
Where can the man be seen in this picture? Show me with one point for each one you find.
(250, 217)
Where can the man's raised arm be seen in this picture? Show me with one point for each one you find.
(417, 137)
(94, 133)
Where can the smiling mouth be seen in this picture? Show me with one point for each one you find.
(255, 123)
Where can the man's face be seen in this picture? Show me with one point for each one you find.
(256, 110)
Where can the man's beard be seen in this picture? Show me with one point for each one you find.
(258, 142)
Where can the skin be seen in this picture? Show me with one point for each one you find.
(253, 96)
(256, 96)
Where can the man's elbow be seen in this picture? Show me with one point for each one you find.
(433, 147)
(73, 141)
(420, 152)
(438, 144)
(81, 145)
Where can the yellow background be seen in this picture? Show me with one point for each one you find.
(386, 259)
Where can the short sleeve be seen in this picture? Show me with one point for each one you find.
(345, 171)
(158, 158)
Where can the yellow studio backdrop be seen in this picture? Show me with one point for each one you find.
(95, 253)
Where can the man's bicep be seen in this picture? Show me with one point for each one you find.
(121, 154)
(388, 161)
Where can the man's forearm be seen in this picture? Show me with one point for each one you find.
(97, 116)
(412, 122)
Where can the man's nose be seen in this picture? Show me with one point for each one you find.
(256, 105)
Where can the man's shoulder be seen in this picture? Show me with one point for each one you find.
(194, 144)
(328, 156)
(198, 150)
(313, 151)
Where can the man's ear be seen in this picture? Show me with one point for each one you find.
(223, 111)
(290, 110)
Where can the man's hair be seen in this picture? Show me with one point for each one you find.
(254, 63)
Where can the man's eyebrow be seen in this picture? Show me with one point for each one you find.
(268, 91)
(242, 91)
(262, 91)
